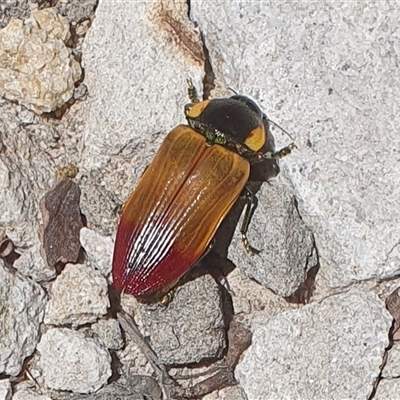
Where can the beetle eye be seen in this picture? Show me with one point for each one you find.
(249, 103)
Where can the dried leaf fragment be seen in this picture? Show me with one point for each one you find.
(62, 221)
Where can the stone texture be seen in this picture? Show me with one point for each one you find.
(71, 361)
(5, 389)
(133, 360)
(114, 391)
(13, 8)
(76, 11)
(29, 395)
(249, 297)
(190, 328)
(229, 393)
(22, 304)
(388, 389)
(32, 149)
(31, 264)
(78, 296)
(285, 243)
(328, 74)
(99, 250)
(331, 349)
(36, 68)
(392, 366)
(109, 332)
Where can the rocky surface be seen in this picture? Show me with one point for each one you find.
(99, 250)
(5, 389)
(326, 72)
(109, 332)
(329, 349)
(71, 361)
(36, 67)
(29, 395)
(392, 366)
(190, 329)
(31, 264)
(307, 64)
(387, 389)
(78, 296)
(286, 244)
(22, 304)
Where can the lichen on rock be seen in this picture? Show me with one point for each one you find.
(37, 69)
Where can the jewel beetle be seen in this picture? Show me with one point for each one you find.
(196, 176)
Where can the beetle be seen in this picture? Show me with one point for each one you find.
(169, 221)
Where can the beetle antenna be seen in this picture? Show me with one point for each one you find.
(278, 126)
(234, 91)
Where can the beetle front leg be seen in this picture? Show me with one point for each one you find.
(192, 92)
(251, 205)
(277, 154)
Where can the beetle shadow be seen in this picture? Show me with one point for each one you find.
(216, 261)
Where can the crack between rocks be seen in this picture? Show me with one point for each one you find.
(392, 249)
(305, 291)
(209, 76)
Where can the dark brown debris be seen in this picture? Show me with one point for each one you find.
(6, 245)
(62, 221)
(393, 306)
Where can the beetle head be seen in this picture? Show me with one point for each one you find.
(238, 118)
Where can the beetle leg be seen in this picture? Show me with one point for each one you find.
(251, 205)
(168, 297)
(192, 92)
(278, 154)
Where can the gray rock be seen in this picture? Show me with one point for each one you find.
(284, 241)
(109, 332)
(13, 8)
(133, 389)
(22, 304)
(331, 349)
(141, 26)
(249, 297)
(5, 389)
(388, 389)
(229, 393)
(31, 264)
(27, 394)
(99, 250)
(77, 10)
(308, 66)
(71, 361)
(392, 366)
(27, 167)
(78, 296)
(190, 328)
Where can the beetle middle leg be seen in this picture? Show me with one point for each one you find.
(251, 205)
(168, 297)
